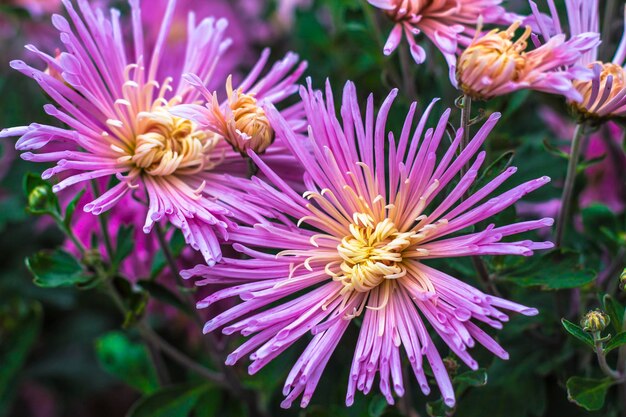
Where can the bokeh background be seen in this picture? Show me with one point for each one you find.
(64, 352)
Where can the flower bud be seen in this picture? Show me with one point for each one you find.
(39, 197)
(492, 62)
(247, 123)
(451, 365)
(595, 321)
(622, 280)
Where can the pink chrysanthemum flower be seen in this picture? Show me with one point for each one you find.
(494, 65)
(447, 23)
(118, 124)
(604, 94)
(368, 225)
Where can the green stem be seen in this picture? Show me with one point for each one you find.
(231, 380)
(102, 219)
(253, 169)
(568, 189)
(604, 366)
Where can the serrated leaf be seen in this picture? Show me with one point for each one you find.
(56, 268)
(124, 244)
(475, 378)
(553, 271)
(127, 360)
(615, 342)
(165, 295)
(588, 393)
(176, 401)
(577, 332)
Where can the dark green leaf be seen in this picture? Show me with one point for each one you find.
(165, 295)
(601, 224)
(438, 409)
(124, 244)
(71, 208)
(577, 332)
(587, 392)
(553, 271)
(494, 169)
(615, 342)
(209, 404)
(56, 269)
(176, 401)
(377, 406)
(127, 360)
(615, 311)
(475, 378)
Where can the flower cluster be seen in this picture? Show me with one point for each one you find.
(336, 220)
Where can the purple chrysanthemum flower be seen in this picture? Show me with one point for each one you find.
(118, 124)
(367, 227)
(604, 95)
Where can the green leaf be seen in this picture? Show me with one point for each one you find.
(615, 311)
(127, 360)
(165, 295)
(71, 208)
(124, 245)
(209, 404)
(615, 342)
(577, 332)
(176, 401)
(41, 198)
(494, 169)
(476, 378)
(56, 268)
(588, 393)
(601, 224)
(377, 406)
(553, 271)
(438, 409)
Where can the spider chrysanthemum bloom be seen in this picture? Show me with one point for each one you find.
(495, 64)
(116, 111)
(604, 94)
(374, 214)
(447, 23)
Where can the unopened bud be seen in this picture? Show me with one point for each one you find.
(451, 365)
(595, 321)
(39, 197)
(491, 62)
(622, 280)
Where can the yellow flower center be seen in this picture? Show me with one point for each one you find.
(495, 57)
(248, 127)
(616, 73)
(171, 144)
(371, 254)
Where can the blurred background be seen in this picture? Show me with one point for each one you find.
(65, 352)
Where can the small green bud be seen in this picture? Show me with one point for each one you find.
(92, 257)
(451, 365)
(595, 321)
(622, 280)
(39, 197)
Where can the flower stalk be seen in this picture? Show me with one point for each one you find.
(568, 188)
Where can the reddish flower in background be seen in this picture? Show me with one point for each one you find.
(369, 227)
